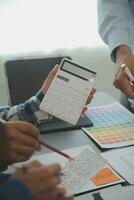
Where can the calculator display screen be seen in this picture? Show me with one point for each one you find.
(62, 78)
(79, 71)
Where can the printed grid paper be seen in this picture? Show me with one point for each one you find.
(78, 172)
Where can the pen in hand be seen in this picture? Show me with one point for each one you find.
(128, 72)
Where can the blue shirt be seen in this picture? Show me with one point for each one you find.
(116, 23)
(13, 189)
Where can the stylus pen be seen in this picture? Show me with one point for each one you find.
(55, 150)
(128, 72)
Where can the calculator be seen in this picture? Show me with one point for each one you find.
(68, 92)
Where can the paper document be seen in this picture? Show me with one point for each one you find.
(122, 160)
(87, 163)
(78, 172)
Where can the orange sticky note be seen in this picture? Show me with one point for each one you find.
(105, 176)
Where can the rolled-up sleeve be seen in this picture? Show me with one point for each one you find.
(28, 111)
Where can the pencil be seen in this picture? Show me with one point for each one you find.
(55, 150)
(128, 72)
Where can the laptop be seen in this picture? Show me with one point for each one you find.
(25, 77)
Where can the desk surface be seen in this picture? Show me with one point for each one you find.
(75, 138)
(69, 139)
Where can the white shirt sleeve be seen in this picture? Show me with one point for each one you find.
(114, 17)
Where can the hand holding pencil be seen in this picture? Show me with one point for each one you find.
(124, 77)
(128, 73)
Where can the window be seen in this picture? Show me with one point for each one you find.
(44, 25)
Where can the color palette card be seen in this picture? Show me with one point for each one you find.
(113, 126)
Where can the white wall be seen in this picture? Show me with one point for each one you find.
(94, 58)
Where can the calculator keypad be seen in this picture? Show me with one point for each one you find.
(64, 101)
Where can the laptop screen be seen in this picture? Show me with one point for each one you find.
(25, 77)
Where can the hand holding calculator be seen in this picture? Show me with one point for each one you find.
(68, 92)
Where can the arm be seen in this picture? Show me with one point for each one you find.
(113, 23)
(18, 141)
(33, 181)
(42, 181)
(115, 28)
(29, 111)
(13, 189)
(3, 149)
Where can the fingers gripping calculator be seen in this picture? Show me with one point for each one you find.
(68, 92)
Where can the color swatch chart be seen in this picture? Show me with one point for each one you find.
(113, 126)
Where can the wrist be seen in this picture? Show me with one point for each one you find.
(122, 52)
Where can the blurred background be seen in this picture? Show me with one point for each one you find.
(45, 28)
